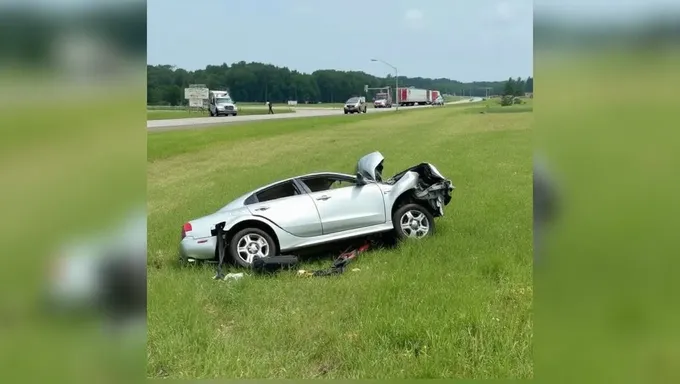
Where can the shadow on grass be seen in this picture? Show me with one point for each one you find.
(317, 257)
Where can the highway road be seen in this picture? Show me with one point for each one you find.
(202, 122)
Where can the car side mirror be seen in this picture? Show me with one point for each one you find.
(360, 180)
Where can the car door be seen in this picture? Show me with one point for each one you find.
(346, 207)
(289, 208)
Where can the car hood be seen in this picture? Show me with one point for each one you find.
(369, 168)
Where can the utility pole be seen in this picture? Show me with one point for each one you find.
(486, 89)
(396, 79)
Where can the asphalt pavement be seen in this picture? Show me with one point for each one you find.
(202, 122)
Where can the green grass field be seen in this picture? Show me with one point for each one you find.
(181, 114)
(456, 305)
(451, 98)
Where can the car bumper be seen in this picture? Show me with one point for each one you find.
(198, 249)
(227, 112)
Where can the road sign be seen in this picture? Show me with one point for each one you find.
(196, 103)
(196, 93)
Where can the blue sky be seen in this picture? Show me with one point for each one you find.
(461, 40)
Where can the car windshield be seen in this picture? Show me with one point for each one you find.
(380, 96)
(353, 100)
(224, 100)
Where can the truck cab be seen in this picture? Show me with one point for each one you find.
(382, 100)
(221, 103)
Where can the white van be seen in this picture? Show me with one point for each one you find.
(220, 103)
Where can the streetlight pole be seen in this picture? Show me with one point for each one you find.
(396, 79)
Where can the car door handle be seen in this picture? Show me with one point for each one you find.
(324, 197)
(262, 209)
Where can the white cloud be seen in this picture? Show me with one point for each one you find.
(414, 18)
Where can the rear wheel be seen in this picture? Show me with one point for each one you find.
(412, 221)
(248, 243)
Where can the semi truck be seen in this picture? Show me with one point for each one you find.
(412, 96)
(418, 96)
(434, 95)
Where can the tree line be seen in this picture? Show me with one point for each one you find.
(258, 82)
(518, 87)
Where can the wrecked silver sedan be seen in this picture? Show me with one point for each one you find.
(320, 208)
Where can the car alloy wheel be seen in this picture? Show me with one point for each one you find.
(413, 221)
(251, 245)
(414, 224)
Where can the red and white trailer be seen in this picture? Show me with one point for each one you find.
(413, 96)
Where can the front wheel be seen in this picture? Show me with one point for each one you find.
(413, 221)
(248, 243)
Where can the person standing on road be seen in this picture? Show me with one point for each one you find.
(271, 111)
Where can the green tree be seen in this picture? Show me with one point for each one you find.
(509, 88)
(529, 85)
(257, 82)
(518, 87)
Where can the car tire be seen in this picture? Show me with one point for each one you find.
(345, 112)
(246, 237)
(211, 114)
(412, 221)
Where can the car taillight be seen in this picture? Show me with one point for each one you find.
(186, 228)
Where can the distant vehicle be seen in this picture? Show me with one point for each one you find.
(433, 95)
(382, 100)
(221, 103)
(438, 101)
(355, 105)
(413, 96)
(322, 208)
